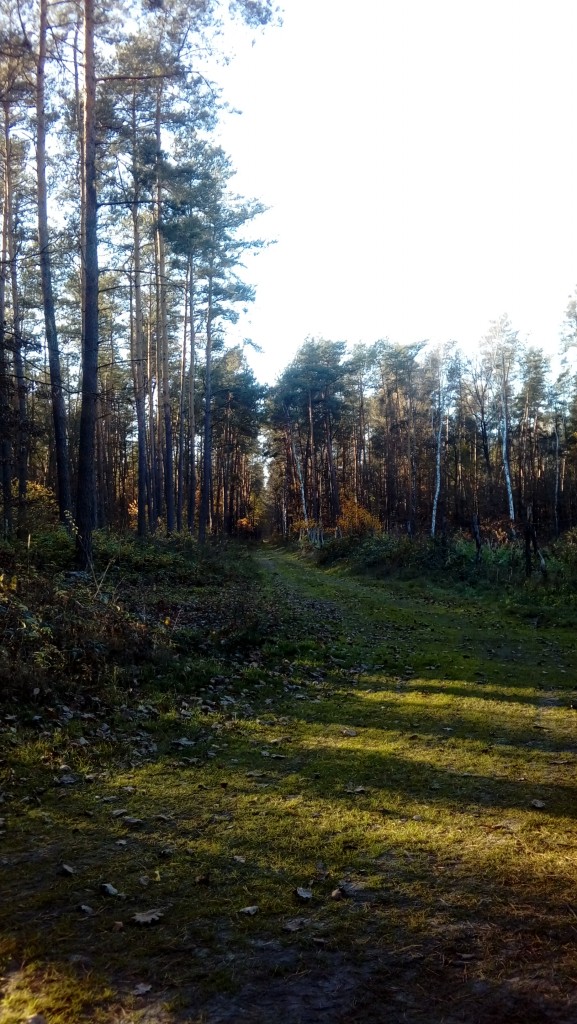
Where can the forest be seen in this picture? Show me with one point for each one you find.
(287, 707)
(121, 268)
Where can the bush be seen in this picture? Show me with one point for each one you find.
(356, 521)
(446, 559)
(52, 549)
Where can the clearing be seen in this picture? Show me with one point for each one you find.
(336, 799)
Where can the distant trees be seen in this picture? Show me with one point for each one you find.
(423, 441)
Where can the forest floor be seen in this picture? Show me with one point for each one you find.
(325, 799)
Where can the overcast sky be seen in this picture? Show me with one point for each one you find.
(419, 158)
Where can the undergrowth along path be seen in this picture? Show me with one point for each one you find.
(353, 800)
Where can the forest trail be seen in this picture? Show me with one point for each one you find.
(357, 805)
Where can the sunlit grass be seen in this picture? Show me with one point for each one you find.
(415, 803)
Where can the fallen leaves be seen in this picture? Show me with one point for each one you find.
(251, 911)
(146, 917)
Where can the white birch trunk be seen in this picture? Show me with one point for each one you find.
(437, 465)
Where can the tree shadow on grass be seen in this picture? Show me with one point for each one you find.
(402, 712)
(431, 941)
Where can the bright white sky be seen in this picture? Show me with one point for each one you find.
(420, 161)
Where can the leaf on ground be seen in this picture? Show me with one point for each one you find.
(147, 916)
(296, 924)
(351, 888)
(85, 909)
(132, 822)
(141, 989)
(304, 894)
(67, 780)
(348, 732)
(120, 813)
(538, 804)
(239, 859)
(66, 869)
(251, 911)
(108, 889)
(183, 742)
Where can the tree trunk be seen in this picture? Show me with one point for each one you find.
(5, 403)
(86, 481)
(137, 351)
(180, 458)
(191, 403)
(155, 492)
(162, 335)
(334, 486)
(63, 490)
(19, 392)
(437, 464)
(205, 502)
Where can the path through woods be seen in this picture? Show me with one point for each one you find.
(367, 814)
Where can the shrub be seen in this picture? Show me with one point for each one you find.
(356, 521)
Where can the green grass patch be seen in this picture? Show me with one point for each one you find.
(385, 771)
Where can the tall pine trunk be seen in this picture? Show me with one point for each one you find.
(191, 402)
(162, 335)
(205, 497)
(137, 350)
(19, 390)
(64, 494)
(5, 389)
(86, 477)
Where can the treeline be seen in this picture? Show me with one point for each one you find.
(415, 440)
(120, 266)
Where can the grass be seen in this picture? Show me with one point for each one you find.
(401, 752)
